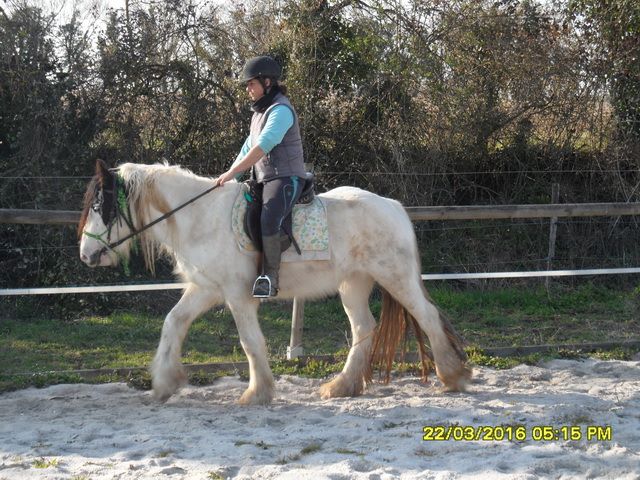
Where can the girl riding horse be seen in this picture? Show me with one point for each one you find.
(273, 150)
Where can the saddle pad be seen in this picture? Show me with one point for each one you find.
(309, 229)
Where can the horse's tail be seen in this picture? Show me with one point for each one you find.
(392, 330)
(455, 339)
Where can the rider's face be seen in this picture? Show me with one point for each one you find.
(255, 89)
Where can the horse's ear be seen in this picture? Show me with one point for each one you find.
(102, 171)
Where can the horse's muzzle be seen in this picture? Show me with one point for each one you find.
(92, 260)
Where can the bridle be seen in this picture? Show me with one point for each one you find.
(106, 203)
(117, 209)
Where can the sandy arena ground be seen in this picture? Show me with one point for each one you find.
(113, 431)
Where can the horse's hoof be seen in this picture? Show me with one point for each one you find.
(255, 397)
(166, 384)
(455, 380)
(161, 397)
(339, 387)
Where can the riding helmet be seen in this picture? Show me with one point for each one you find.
(261, 67)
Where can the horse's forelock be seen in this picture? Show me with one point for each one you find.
(87, 201)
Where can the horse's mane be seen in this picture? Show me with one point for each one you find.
(138, 176)
(140, 181)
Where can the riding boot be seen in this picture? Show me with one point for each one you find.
(266, 285)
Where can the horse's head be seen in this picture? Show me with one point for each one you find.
(105, 219)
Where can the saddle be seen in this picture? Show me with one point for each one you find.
(254, 208)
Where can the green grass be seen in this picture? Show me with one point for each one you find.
(477, 356)
(42, 463)
(308, 450)
(129, 340)
(505, 317)
(512, 317)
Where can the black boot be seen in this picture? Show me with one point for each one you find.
(266, 285)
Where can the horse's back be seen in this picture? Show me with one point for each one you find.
(365, 226)
(362, 206)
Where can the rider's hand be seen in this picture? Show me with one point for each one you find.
(224, 178)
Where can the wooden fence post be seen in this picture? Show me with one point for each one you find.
(553, 229)
(295, 350)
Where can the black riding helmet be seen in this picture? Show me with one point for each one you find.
(261, 67)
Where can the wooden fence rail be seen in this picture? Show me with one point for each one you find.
(494, 212)
(39, 217)
(464, 212)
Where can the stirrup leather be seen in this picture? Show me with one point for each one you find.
(262, 287)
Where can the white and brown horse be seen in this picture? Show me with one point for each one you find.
(371, 240)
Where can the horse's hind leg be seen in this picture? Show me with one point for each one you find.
(354, 293)
(411, 294)
(166, 370)
(261, 385)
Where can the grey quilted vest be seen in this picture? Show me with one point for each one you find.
(287, 158)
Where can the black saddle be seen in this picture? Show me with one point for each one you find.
(253, 195)
(308, 189)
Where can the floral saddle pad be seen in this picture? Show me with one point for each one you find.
(309, 229)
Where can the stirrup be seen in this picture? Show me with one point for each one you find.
(262, 287)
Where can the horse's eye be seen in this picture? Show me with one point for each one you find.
(97, 203)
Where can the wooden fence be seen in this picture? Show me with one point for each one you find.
(465, 212)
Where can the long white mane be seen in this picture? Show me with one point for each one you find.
(145, 196)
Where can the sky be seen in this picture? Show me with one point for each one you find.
(91, 11)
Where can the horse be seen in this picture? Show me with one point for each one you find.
(371, 242)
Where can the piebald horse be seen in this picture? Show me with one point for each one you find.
(371, 241)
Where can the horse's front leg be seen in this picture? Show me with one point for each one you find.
(261, 385)
(166, 371)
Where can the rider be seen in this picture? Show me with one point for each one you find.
(274, 151)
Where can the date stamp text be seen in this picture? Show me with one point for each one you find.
(499, 433)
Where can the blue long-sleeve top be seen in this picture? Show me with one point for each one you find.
(279, 121)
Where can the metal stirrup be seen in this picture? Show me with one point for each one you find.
(256, 283)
